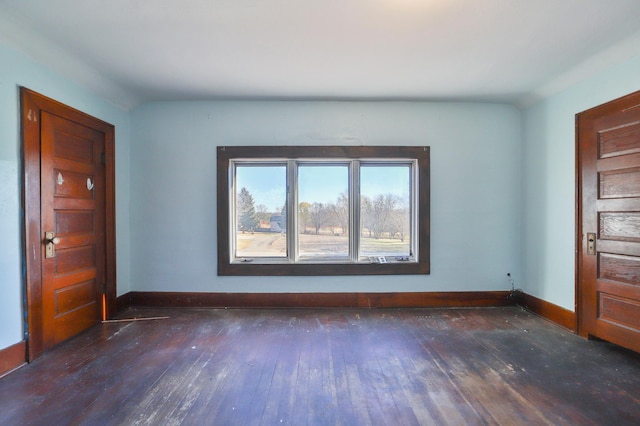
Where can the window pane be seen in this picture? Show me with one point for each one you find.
(323, 211)
(385, 214)
(260, 208)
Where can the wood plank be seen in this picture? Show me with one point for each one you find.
(325, 366)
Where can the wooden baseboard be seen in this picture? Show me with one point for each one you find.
(320, 300)
(468, 299)
(554, 313)
(123, 302)
(13, 357)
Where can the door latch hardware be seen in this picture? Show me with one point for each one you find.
(591, 243)
(50, 241)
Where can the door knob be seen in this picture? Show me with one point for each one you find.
(54, 240)
(51, 241)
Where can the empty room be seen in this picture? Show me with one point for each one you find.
(360, 212)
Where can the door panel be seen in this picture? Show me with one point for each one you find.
(609, 207)
(617, 141)
(620, 268)
(68, 192)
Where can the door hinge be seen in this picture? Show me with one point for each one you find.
(103, 158)
(32, 116)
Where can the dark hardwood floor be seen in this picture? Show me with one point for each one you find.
(327, 367)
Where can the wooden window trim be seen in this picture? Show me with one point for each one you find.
(226, 154)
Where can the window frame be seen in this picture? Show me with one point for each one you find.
(225, 157)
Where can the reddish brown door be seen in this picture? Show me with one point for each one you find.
(69, 218)
(72, 191)
(609, 222)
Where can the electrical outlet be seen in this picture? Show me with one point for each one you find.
(511, 281)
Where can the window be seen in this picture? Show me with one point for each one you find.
(315, 210)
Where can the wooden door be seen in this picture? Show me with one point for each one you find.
(72, 191)
(608, 285)
(69, 218)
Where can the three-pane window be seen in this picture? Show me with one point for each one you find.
(323, 210)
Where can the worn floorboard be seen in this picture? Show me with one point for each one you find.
(327, 367)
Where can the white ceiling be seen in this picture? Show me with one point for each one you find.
(133, 51)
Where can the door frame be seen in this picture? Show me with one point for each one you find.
(32, 106)
(622, 103)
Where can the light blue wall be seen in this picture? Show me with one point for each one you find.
(502, 191)
(475, 188)
(18, 70)
(549, 181)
